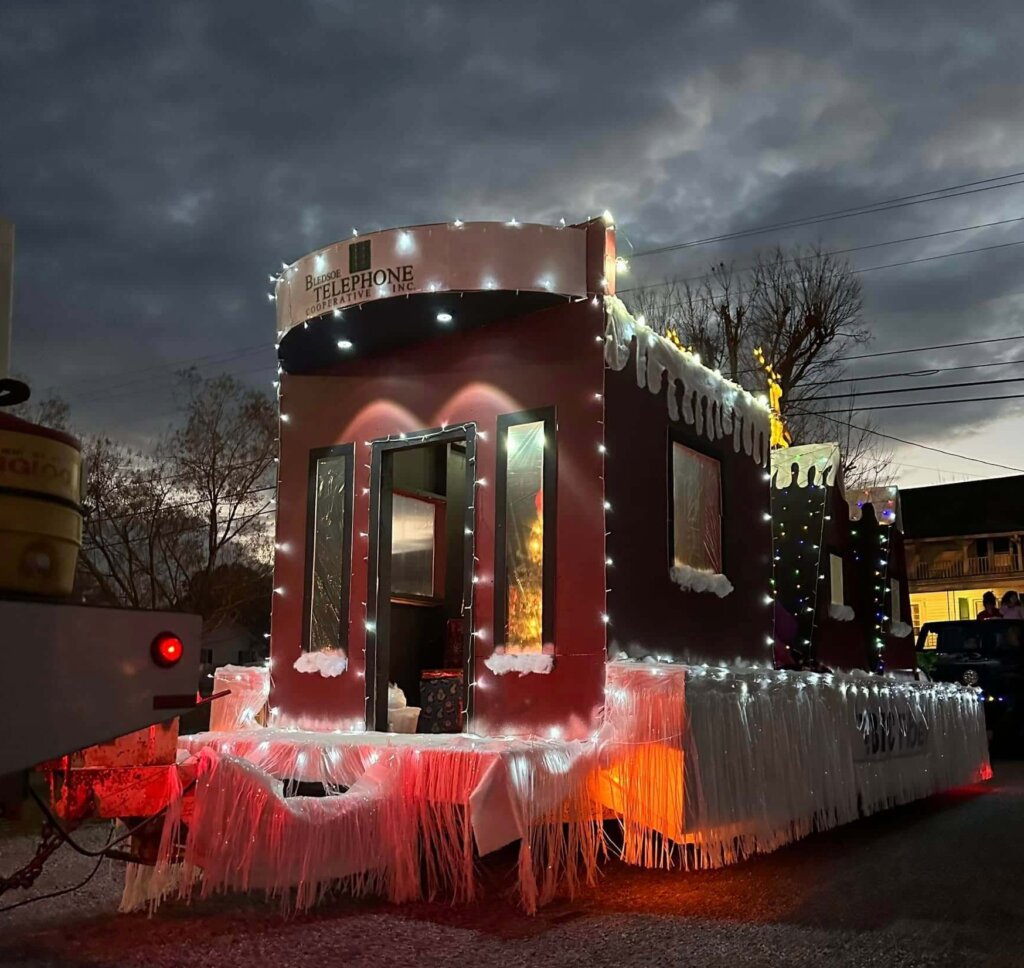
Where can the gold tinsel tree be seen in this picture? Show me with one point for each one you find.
(526, 588)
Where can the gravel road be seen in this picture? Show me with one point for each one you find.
(936, 883)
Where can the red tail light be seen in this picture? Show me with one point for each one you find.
(166, 649)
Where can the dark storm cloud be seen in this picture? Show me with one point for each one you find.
(161, 158)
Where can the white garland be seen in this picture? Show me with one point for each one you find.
(900, 629)
(327, 662)
(841, 613)
(700, 580)
(823, 459)
(524, 663)
(715, 406)
(702, 767)
(248, 689)
(768, 756)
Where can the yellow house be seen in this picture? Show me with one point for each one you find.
(962, 540)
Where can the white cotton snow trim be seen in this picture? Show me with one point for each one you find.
(900, 629)
(698, 580)
(841, 613)
(715, 406)
(823, 459)
(522, 662)
(327, 662)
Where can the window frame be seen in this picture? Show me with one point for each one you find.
(547, 416)
(895, 606)
(315, 456)
(676, 437)
(378, 569)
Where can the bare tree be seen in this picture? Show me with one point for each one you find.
(222, 457)
(807, 314)
(866, 460)
(48, 411)
(139, 546)
(186, 526)
(803, 308)
(711, 319)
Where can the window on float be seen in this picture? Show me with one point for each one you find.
(525, 531)
(836, 576)
(696, 510)
(328, 548)
(894, 594)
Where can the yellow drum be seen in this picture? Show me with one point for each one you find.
(40, 508)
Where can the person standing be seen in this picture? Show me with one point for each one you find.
(991, 609)
(1011, 607)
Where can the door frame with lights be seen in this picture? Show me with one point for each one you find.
(378, 605)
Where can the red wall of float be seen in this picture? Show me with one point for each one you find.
(650, 614)
(551, 358)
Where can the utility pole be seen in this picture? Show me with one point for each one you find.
(6, 294)
(12, 392)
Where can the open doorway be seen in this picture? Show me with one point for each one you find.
(419, 604)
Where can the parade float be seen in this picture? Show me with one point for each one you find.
(525, 593)
(841, 570)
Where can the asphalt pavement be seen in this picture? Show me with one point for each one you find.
(939, 882)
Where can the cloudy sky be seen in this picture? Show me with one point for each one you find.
(160, 158)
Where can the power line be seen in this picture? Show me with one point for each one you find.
(913, 349)
(195, 360)
(855, 248)
(163, 382)
(169, 534)
(938, 470)
(186, 504)
(937, 386)
(931, 403)
(944, 255)
(871, 208)
(936, 346)
(913, 443)
(932, 371)
(885, 265)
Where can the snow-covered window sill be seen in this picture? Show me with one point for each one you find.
(841, 613)
(700, 580)
(525, 663)
(327, 663)
(900, 629)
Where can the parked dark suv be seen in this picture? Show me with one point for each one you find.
(989, 655)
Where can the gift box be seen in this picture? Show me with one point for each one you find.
(440, 701)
